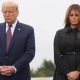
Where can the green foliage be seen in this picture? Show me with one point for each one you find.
(46, 70)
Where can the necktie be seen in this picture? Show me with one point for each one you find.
(8, 37)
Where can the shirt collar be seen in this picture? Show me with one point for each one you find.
(69, 29)
(13, 25)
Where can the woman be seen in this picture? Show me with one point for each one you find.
(67, 46)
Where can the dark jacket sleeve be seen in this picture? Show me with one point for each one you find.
(59, 59)
(27, 57)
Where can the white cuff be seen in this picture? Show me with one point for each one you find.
(14, 69)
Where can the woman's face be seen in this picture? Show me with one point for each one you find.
(74, 17)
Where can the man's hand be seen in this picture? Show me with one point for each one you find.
(7, 70)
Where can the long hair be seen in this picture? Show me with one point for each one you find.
(75, 7)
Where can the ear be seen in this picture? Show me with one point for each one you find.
(17, 12)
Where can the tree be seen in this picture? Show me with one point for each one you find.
(46, 69)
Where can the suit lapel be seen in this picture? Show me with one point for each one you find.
(3, 36)
(15, 35)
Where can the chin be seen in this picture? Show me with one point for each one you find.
(8, 20)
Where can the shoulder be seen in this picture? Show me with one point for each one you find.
(2, 24)
(26, 27)
(60, 31)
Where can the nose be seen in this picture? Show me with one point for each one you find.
(7, 13)
(74, 17)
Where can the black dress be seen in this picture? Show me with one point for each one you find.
(66, 52)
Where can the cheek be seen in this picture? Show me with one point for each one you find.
(77, 20)
(70, 19)
(14, 16)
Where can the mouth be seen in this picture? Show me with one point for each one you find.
(74, 21)
(8, 19)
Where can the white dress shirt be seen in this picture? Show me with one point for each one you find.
(12, 31)
(12, 28)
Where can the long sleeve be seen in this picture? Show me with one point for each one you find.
(60, 62)
(27, 57)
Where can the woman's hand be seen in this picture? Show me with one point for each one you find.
(73, 75)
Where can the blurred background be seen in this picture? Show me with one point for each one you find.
(46, 17)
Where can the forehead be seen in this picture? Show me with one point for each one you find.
(8, 8)
(74, 11)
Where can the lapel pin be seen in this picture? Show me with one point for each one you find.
(19, 29)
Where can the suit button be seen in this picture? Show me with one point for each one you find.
(74, 53)
(7, 57)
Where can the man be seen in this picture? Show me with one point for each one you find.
(17, 45)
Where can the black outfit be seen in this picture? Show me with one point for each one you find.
(66, 52)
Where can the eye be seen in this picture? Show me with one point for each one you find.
(4, 12)
(71, 15)
(74, 15)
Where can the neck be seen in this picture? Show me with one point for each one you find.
(73, 26)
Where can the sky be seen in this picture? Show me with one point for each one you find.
(46, 17)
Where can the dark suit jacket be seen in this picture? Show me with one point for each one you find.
(20, 53)
(66, 52)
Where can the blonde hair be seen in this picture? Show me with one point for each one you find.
(10, 3)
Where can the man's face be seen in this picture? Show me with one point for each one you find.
(10, 14)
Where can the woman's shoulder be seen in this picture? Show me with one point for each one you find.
(61, 30)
